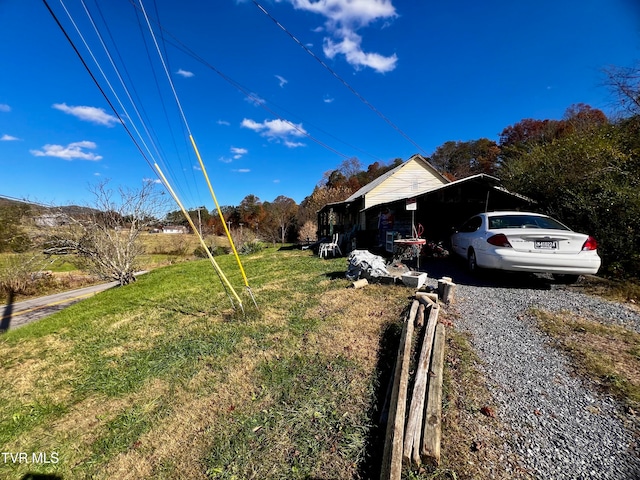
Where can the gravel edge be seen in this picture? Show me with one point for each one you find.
(558, 424)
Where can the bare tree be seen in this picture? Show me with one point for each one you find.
(625, 84)
(107, 235)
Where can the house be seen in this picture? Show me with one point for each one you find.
(413, 193)
(411, 178)
(175, 229)
(51, 220)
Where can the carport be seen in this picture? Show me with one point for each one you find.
(438, 211)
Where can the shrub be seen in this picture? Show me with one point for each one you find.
(252, 246)
(308, 232)
(214, 249)
(17, 277)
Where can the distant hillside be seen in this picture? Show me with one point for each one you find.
(36, 209)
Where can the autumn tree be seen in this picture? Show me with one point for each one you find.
(320, 196)
(280, 216)
(308, 232)
(251, 211)
(588, 179)
(580, 117)
(529, 132)
(348, 169)
(462, 159)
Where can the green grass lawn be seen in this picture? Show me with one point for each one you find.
(162, 379)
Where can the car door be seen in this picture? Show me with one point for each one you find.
(462, 239)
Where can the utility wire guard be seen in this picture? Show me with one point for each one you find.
(221, 274)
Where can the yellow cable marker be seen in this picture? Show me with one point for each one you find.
(202, 242)
(224, 225)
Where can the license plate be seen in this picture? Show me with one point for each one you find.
(546, 245)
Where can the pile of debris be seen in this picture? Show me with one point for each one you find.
(364, 265)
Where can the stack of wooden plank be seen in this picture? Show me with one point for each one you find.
(414, 424)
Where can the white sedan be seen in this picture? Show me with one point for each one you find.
(525, 242)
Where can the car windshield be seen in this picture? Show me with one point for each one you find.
(524, 221)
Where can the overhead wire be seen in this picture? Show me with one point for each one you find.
(147, 129)
(339, 78)
(202, 166)
(177, 43)
(104, 76)
(153, 166)
(247, 93)
(95, 81)
(168, 122)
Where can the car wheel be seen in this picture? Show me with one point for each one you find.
(472, 263)
(565, 278)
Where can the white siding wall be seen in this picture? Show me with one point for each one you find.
(412, 179)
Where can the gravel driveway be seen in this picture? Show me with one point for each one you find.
(559, 425)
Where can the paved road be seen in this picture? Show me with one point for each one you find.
(17, 314)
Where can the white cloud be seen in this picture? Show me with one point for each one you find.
(88, 114)
(238, 152)
(276, 130)
(328, 99)
(152, 180)
(223, 122)
(276, 181)
(8, 138)
(283, 81)
(185, 73)
(225, 159)
(75, 150)
(4, 107)
(343, 19)
(255, 99)
(349, 46)
(290, 144)
(242, 170)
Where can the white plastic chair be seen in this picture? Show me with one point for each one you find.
(331, 246)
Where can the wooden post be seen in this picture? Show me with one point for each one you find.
(392, 456)
(446, 289)
(430, 451)
(414, 311)
(431, 296)
(416, 411)
(426, 299)
(420, 316)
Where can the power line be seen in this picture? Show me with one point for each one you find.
(340, 79)
(204, 171)
(177, 43)
(95, 81)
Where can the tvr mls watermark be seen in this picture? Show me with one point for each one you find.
(36, 458)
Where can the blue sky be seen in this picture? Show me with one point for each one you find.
(267, 116)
